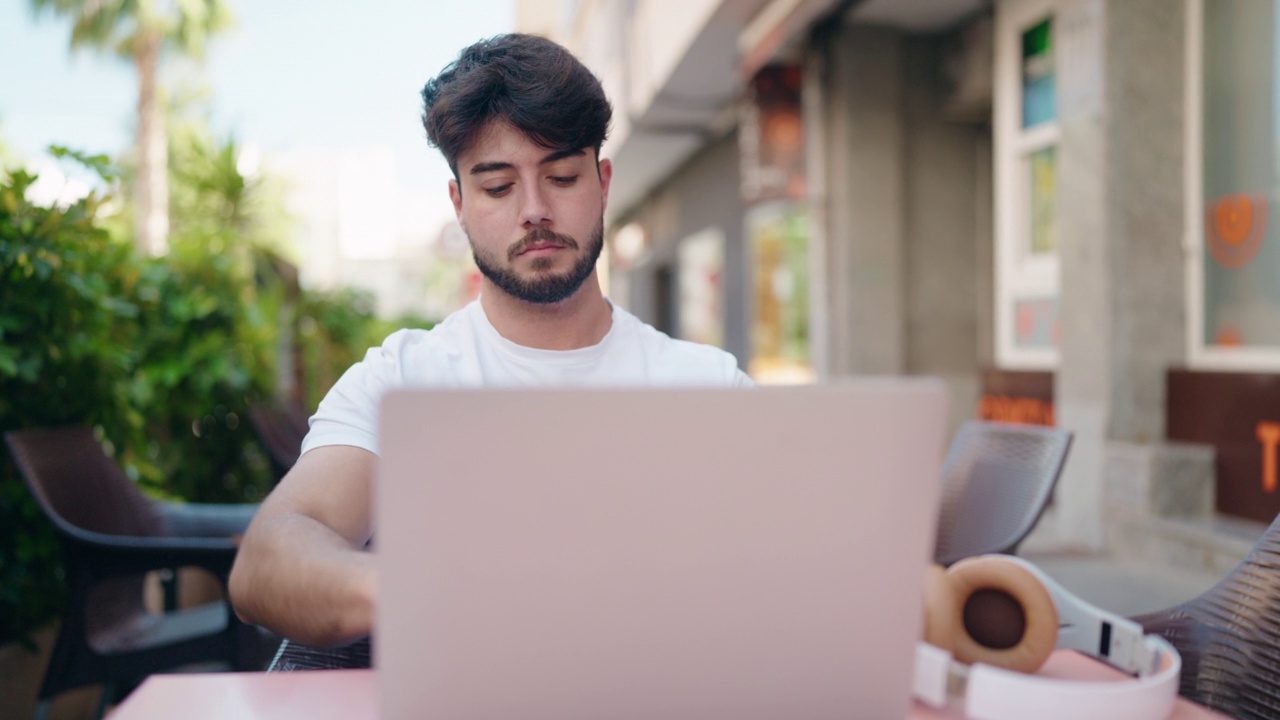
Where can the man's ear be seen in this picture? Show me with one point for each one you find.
(605, 168)
(455, 196)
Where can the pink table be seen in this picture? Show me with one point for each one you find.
(352, 695)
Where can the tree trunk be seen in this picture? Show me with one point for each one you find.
(151, 223)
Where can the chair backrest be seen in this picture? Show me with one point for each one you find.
(996, 481)
(1229, 636)
(281, 425)
(76, 483)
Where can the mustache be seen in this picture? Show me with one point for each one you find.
(541, 236)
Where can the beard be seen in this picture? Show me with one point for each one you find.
(542, 288)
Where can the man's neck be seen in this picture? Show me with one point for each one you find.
(579, 321)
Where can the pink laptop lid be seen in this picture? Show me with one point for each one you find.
(654, 554)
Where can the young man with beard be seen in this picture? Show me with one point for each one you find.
(521, 123)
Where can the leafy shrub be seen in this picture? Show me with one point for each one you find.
(64, 343)
(335, 329)
(162, 356)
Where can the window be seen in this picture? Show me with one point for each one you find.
(1233, 144)
(778, 241)
(1042, 182)
(700, 271)
(1038, 86)
(1026, 167)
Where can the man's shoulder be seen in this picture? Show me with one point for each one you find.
(682, 361)
(414, 346)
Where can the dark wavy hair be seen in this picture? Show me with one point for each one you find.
(537, 86)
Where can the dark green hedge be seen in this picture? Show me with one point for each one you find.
(162, 356)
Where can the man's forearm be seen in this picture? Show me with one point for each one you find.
(304, 582)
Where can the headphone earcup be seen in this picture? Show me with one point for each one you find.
(941, 622)
(1003, 615)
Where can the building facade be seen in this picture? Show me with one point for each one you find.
(1058, 206)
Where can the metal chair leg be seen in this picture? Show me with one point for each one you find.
(105, 699)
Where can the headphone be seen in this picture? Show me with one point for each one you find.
(991, 619)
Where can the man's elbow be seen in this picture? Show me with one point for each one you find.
(240, 586)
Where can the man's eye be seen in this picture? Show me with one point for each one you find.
(565, 181)
(498, 191)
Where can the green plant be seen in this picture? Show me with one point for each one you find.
(335, 329)
(209, 318)
(162, 356)
(63, 339)
(203, 353)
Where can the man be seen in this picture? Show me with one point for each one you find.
(521, 122)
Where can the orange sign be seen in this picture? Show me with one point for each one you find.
(1235, 226)
(1236, 414)
(1269, 436)
(1012, 409)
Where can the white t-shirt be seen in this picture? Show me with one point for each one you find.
(466, 351)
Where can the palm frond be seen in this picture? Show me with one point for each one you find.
(117, 25)
(195, 21)
(95, 23)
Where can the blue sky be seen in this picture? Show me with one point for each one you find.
(292, 73)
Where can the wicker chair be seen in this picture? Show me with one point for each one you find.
(1229, 636)
(292, 657)
(111, 535)
(996, 481)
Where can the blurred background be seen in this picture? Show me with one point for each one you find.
(1060, 207)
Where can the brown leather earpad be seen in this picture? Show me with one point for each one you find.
(988, 593)
(941, 622)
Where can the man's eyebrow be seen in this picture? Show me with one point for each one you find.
(490, 167)
(560, 155)
(485, 167)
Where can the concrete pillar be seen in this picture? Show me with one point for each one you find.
(1146, 210)
(1120, 213)
(702, 194)
(902, 197)
(941, 219)
(864, 195)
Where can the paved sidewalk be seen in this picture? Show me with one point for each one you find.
(1126, 587)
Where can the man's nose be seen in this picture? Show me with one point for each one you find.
(534, 209)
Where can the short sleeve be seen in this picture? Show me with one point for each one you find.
(348, 415)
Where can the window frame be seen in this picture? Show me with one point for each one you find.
(1200, 354)
(1019, 274)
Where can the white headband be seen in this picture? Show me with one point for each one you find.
(991, 693)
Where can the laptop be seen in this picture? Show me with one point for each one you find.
(645, 554)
